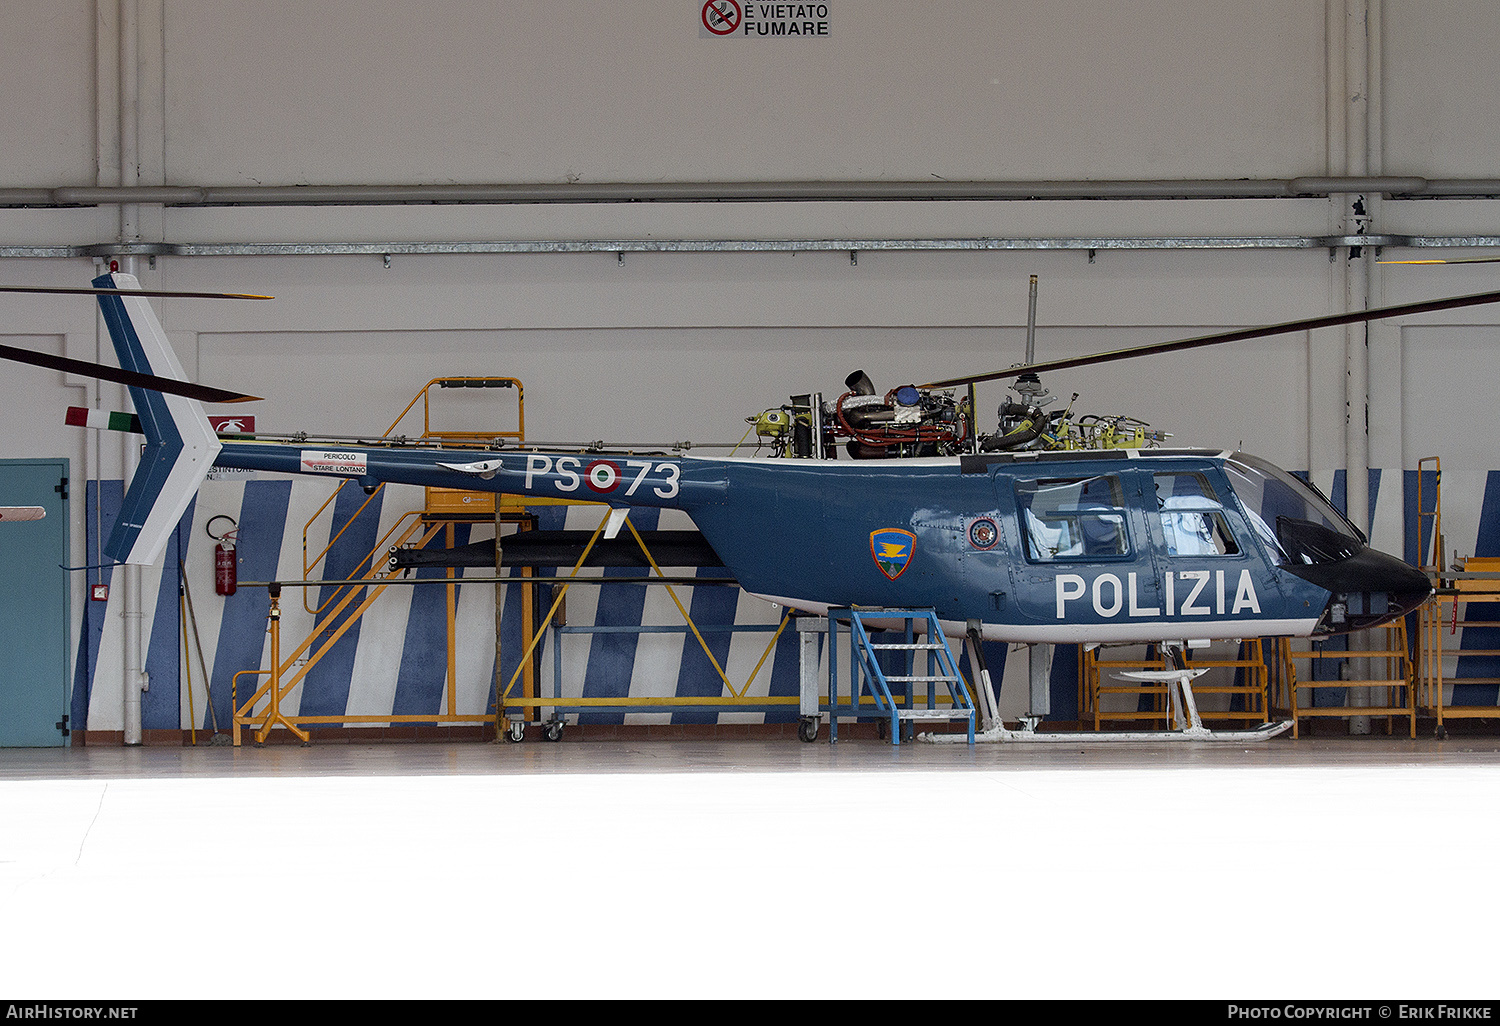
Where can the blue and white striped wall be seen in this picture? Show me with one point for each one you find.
(394, 659)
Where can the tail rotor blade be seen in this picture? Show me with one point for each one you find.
(171, 386)
(62, 290)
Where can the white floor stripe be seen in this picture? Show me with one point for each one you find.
(668, 870)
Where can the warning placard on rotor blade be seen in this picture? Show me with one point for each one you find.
(332, 461)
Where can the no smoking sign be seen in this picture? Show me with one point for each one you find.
(762, 19)
(721, 17)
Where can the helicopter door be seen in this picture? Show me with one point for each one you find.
(1085, 551)
(1211, 566)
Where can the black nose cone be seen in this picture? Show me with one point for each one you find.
(1367, 589)
(1411, 586)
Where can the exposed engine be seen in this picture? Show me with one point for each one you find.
(906, 421)
(909, 422)
(1025, 423)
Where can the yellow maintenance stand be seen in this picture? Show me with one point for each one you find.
(443, 509)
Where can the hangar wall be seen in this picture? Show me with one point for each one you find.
(671, 346)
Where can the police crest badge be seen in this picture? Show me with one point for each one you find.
(892, 550)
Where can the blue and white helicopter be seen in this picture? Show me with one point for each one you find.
(1003, 535)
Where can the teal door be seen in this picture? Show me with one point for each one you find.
(34, 605)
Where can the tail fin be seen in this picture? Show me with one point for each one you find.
(180, 444)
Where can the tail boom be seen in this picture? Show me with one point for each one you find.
(619, 480)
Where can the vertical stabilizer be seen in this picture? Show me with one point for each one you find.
(180, 444)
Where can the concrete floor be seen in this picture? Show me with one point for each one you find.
(1326, 867)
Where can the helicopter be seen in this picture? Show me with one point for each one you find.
(1014, 536)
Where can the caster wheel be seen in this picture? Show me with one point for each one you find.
(517, 732)
(553, 732)
(882, 729)
(1441, 733)
(807, 730)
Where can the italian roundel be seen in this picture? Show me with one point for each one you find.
(892, 550)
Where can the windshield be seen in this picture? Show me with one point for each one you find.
(1297, 525)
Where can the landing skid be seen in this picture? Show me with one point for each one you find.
(1000, 734)
(1184, 709)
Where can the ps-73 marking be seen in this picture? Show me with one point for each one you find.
(604, 477)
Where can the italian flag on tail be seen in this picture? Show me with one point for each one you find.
(82, 416)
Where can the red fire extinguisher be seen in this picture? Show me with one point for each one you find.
(226, 572)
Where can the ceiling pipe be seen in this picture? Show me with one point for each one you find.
(1393, 186)
(110, 250)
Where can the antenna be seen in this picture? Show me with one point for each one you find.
(1029, 386)
(1031, 325)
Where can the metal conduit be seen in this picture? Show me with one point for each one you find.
(852, 246)
(285, 196)
(1395, 187)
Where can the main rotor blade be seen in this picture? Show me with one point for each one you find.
(80, 291)
(1454, 260)
(1238, 335)
(203, 393)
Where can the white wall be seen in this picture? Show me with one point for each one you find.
(287, 92)
(684, 346)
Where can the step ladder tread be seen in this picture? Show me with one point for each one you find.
(940, 670)
(886, 612)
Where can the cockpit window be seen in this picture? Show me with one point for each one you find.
(1081, 518)
(1297, 525)
(1192, 520)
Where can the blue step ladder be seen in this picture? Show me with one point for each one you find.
(921, 634)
